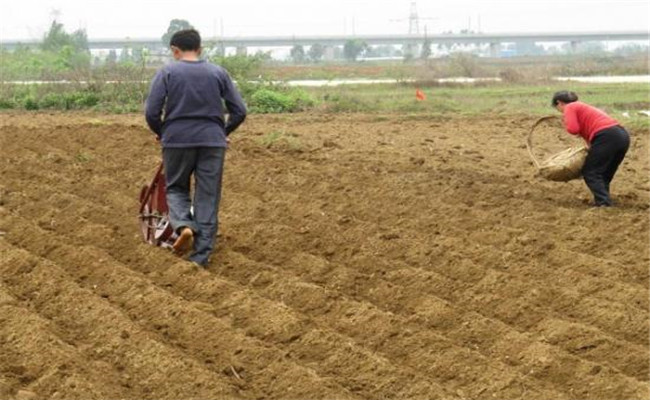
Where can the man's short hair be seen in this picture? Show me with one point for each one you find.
(186, 40)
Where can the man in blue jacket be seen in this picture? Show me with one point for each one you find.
(191, 93)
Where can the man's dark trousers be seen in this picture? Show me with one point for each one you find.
(606, 153)
(206, 163)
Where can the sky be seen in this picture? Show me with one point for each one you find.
(29, 19)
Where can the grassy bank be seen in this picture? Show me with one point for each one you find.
(526, 85)
(478, 98)
(623, 101)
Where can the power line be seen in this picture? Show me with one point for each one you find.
(413, 19)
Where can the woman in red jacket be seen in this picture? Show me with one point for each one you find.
(608, 142)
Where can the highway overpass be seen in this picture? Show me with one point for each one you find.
(241, 42)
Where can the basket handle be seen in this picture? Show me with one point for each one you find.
(529, 139)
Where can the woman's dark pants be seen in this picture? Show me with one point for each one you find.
(607, 150)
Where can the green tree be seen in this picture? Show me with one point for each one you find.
(297, 54)
(426, 49)
(316, 52)
(69, 51)
(65, 59)
(125, 56)
(353, 48)
(139, 55)
(79, 39)
(633, 48)
(409, 51)
(384, 51)
(111, 58)
(55, 38)
(175, 25)
(241, 67)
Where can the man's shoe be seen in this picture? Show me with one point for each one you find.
(184, 241)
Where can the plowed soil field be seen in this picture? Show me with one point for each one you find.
(360, 257)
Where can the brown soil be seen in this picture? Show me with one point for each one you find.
(360, 257)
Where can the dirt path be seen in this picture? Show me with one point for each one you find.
(360, 257)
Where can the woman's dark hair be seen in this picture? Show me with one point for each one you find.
(564, 96)
(186, 40)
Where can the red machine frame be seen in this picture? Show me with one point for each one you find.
(154, 213)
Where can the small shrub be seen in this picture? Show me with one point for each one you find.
(301, 99)
(69, 101)
(7, 104)
(512, 75)
(272, 101)
(269, 101)
(82, 100)
(83, 157)
(52, 100)
(270, 138)
(345, 103)
(30, 103)
(241, 67)
(466, 65)
(276, 138)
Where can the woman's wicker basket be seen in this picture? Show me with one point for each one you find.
(563, 166)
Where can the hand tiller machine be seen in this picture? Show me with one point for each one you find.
(154, 213)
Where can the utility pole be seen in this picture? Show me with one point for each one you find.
(222, 48)
(414, 24)
(413, 19)
(414, 28)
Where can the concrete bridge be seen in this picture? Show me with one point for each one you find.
(493, 39)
